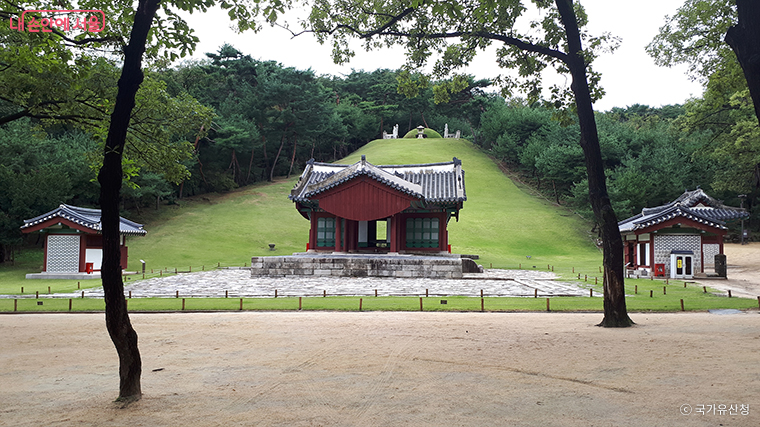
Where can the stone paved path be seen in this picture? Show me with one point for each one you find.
(238, 283)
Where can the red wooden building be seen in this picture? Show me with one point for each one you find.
(73, 239)
(679, 239)
(377, 209)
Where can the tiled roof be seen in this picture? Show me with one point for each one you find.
(694, 205)
(88, 218)
(431, 182)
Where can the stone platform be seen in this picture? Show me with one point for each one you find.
(358, 265)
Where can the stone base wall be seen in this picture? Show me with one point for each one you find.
(358, 266)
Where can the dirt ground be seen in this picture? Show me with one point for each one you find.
(743, 270)
(392, 369)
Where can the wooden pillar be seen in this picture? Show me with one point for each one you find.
(44, 262)
(348, 233)
(443, 234)
(635, 254)
(351, 235)
(82, 252)
(701, 254)
(338, 247)
(395, 240)
(313, 231)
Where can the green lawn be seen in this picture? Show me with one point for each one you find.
(639, 300)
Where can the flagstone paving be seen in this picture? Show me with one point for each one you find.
(239, 283)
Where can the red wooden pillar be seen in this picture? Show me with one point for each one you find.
(82, 252)
(350, 243)
(44, 262)
(635, 254)
(443, 234)
(394, 233)
(347, 235)
(313, 231)
(338, 247)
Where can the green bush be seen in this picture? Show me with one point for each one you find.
(430, 133)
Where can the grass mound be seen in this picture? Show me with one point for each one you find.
(429, 133)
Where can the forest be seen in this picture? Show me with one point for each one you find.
(229, 121)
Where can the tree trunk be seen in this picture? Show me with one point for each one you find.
(615, 312)
(293, 157)
(266, 158)
(250, 166)
(277, 157)
(556, 195)
(744, 39)
(119, 327)
(233, 166)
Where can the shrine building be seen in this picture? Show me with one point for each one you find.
(363, 208)
(74, 242)
(680, 239)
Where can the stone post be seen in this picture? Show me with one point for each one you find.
(721, 268)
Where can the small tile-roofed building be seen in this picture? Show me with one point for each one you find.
(678, 239)
(376, 209)
(73, 239)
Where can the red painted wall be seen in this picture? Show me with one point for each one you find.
(363, 199)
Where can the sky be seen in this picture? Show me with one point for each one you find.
(629, 75)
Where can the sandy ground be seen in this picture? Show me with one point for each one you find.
(385, 369)
(743, 270)
(393, 369)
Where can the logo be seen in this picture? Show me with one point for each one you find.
(45, 21)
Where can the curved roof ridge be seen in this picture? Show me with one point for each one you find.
(433, 182)
(86, 217)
